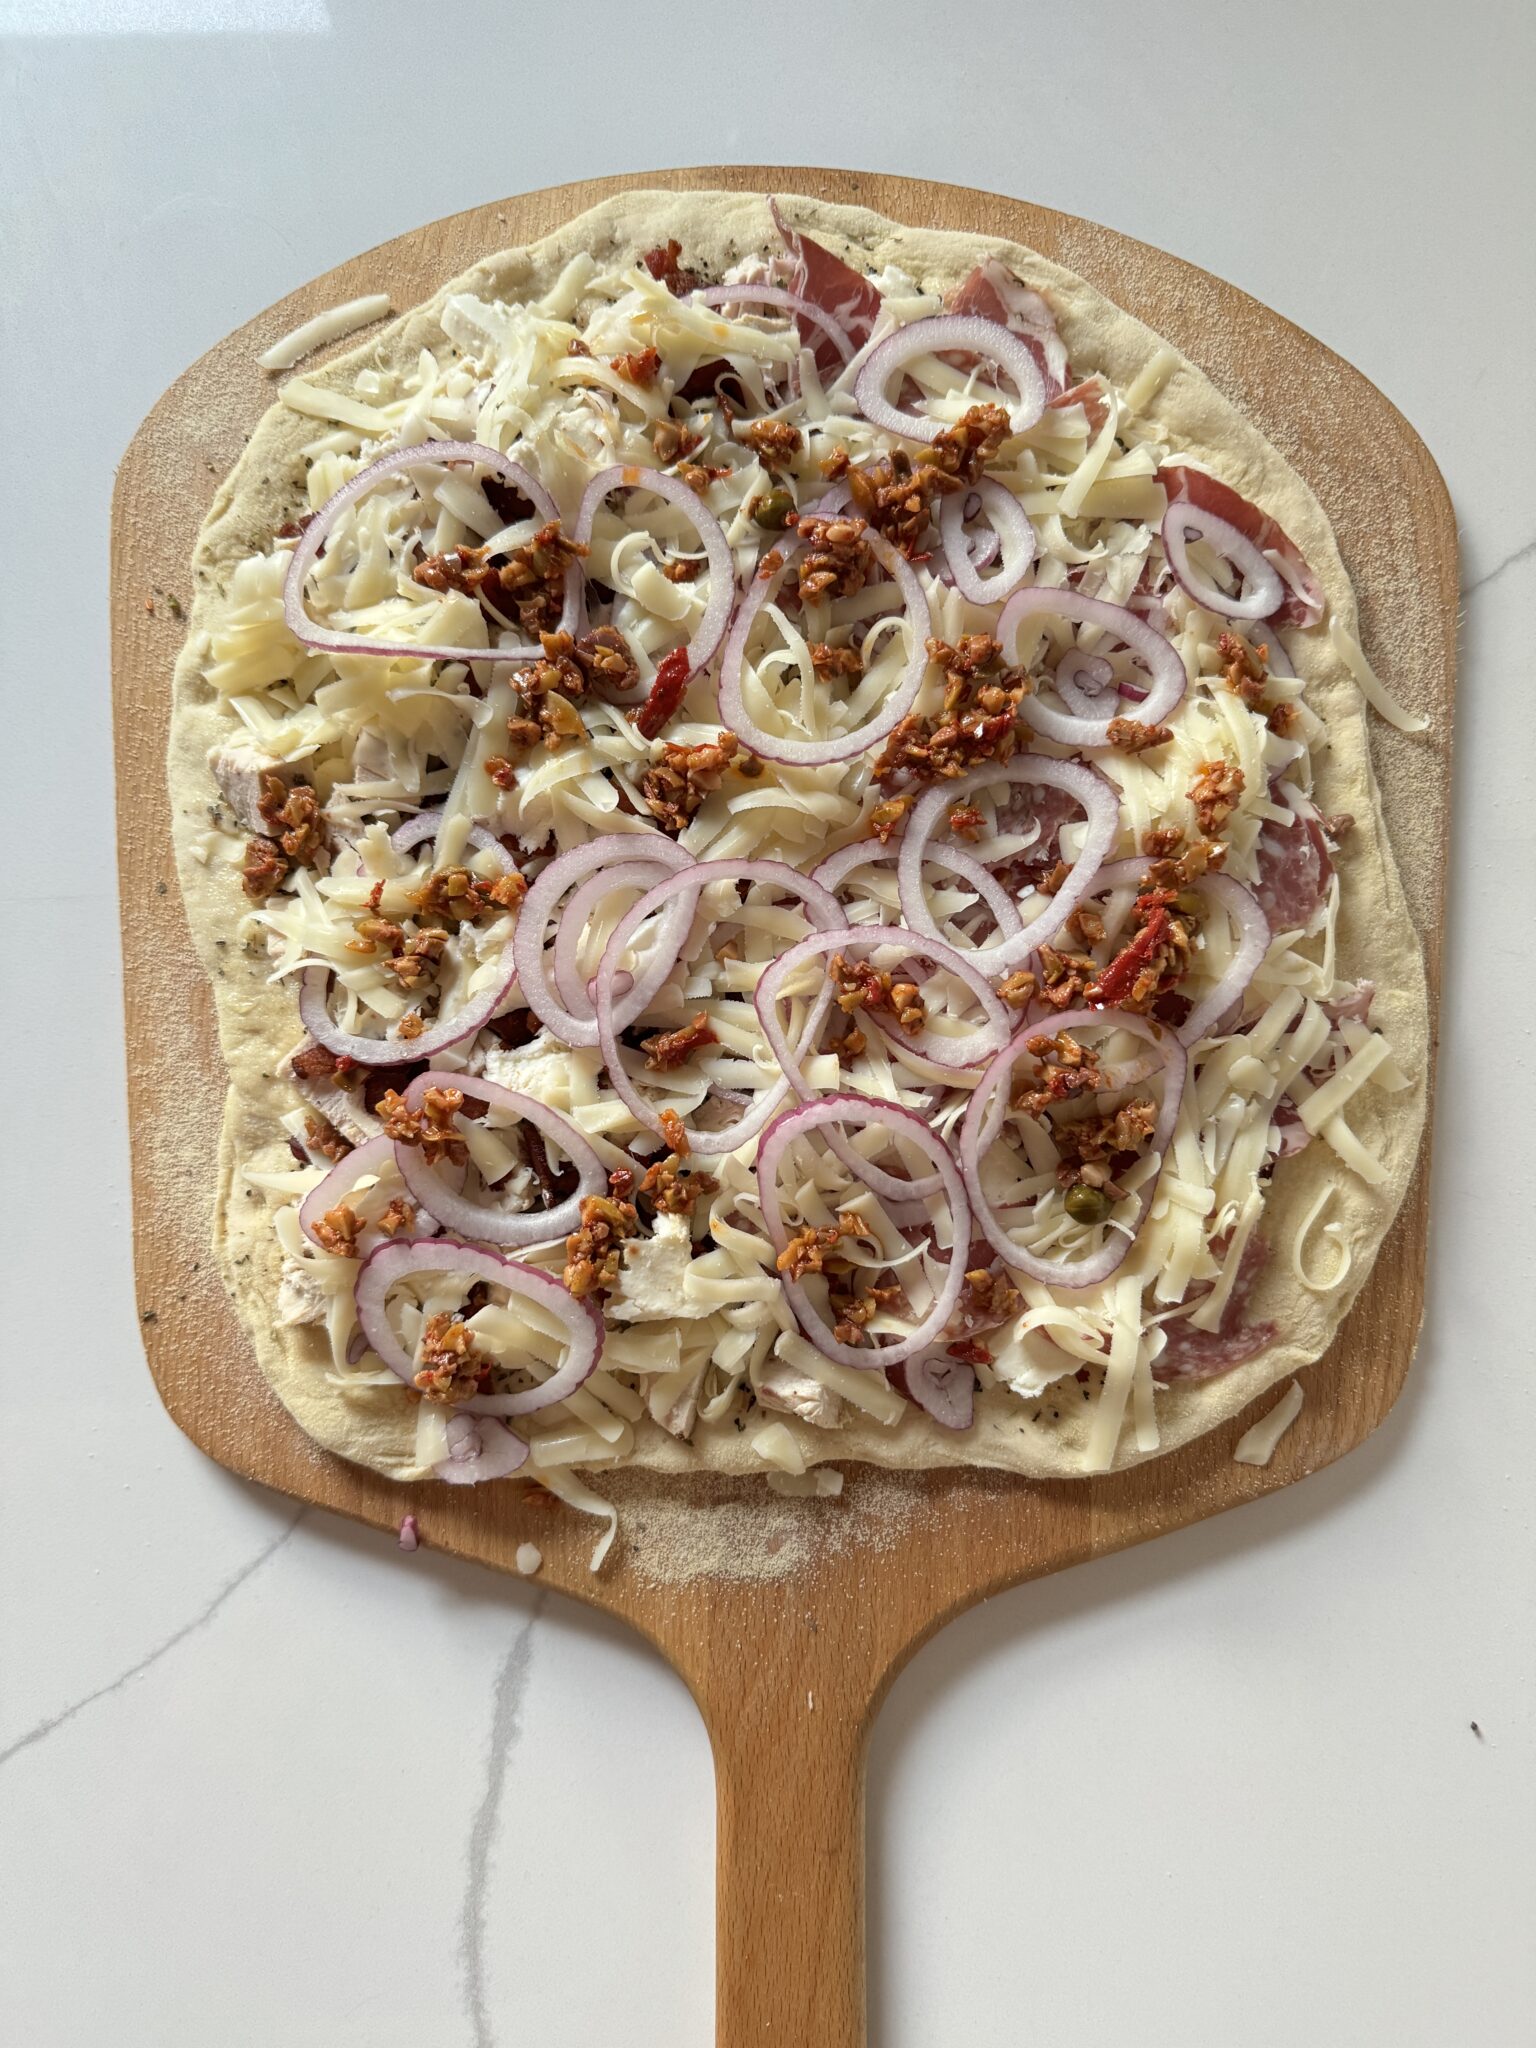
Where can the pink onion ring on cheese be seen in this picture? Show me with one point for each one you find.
(315, 535)
(968, 332)
(710, 631)
(861, 1111)
(1262, 591)
(488, 1221)
(541, 905)
(479, 1448)
(977, 1134)
(821, 907)
(944, 1388)
(899, 700)
(1009, 522)
(462, 1023)
(1160, 656)
(384, 1269)
(1101, 806)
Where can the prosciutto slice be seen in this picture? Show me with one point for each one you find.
(827, 281)
(992, 292)
(1303, 604)
(1294, 870)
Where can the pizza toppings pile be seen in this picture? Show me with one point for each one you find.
(786, 811)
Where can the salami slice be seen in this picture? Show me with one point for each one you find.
(1206, 1354)
(1303, 604)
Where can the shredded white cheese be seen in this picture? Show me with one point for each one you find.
(333, 325)
(1256, 1446)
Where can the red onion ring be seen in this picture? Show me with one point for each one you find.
(969, 1051)
(1099, 801)
(1160, 655)
(479, 1220)
(863, 1110)
(899, 701)
(315, 535)
(1247, 913)
(859, 853)
(775, 295)
(700, 650)
(540, 904)
(1263, 587)
(479, 1448)
(427, 825)
(574, 990)
(979, 1126)
(375, 1156)
(944, 1388)
(823, 909)
(314, 1010)
(1005, 512)
(932, 337)
(393, 1262)
(1081, 679)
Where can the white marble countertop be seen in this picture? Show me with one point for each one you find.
(263, 1779)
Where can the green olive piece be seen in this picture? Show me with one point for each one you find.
(772, 510)
(1086, 1204)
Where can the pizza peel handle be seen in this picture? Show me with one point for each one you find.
(789, 1850)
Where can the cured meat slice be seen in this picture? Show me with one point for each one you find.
(827, 281)
(1205, 1354)
(1294, 869)
(1089, 395)
(992, 292)
(1303, 604)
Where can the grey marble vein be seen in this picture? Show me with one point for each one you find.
(506, 1726)
(1498, 568)
(198, 1621)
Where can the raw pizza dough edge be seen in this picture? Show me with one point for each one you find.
(258, 1022)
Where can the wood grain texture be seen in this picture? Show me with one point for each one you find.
(787, 1670)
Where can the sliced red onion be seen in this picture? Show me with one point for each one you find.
(427, 824)
(776, 295)
(1009, 521)
(899, 700)
(1081, 680)
(486, 1221)
(932, 337)
(574, 990)
(1092, 791)
(374, 1156)
(700, 650)
(314, 1009)
(315, 535)
(1263, 590)
(479, 1448)
(863, 1110)
(1247, 913)
(968, 1051)
(834, 870)
(944, 1388)
(1160, 655)
(822, 907)
(541, 903)
(391, 1263)
(978, 1130)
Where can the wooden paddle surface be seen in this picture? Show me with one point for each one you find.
(788, 1659)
